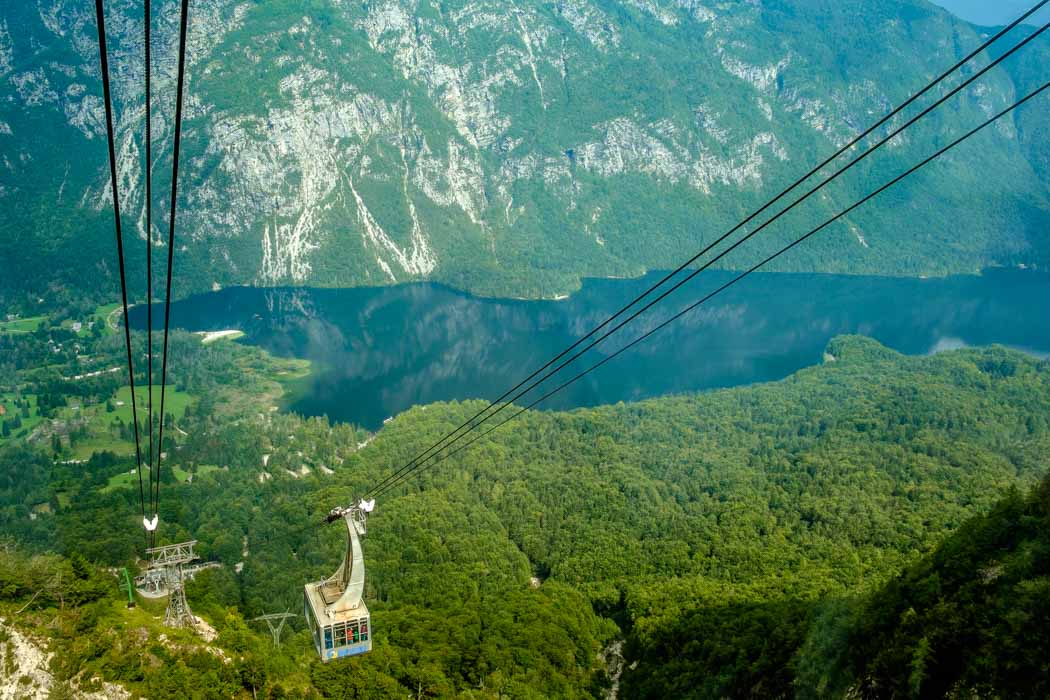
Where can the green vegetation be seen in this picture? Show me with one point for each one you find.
(740, 542)
(973, 616)
(175, 402)
(877, 526)
(130, 478)
(67, 387)
(95, 636)
(121, 480)
(22, 325)
(968, 620)
(19, 415)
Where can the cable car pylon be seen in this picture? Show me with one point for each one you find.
(275, 621)
(334, 607)
(167, 562)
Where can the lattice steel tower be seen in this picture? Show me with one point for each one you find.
(275, 622)
(169, 560)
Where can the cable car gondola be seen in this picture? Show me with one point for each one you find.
(333, 607)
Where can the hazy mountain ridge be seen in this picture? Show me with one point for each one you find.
(506, 148)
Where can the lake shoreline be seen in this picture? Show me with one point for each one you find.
(585, 281)
(375, 352)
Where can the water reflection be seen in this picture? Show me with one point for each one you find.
(379, 351)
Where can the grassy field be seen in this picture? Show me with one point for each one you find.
(103, 314)
(100, 422)
(200, 470)
(175, 402)
(264, 381)
(130, 479)
(101, 443)
(22, 325)
(7, 400)
(125, 479)
(102, 436)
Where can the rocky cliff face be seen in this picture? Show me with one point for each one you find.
(503, 146)
(25, 673)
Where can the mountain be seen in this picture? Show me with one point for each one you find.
(970, 619)
(973, 616)
(992, 14)
(504, 147)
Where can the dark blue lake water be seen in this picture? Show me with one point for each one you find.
(378, 351)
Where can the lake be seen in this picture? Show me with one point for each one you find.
(378, 351)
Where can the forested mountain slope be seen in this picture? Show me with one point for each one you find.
(973, 615)
(971, 619)
(504, 147)
(733, 539)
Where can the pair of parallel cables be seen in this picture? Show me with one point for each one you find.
(439, 451)
(150, 517)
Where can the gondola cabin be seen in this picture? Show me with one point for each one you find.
(334, 609)
(341, 633)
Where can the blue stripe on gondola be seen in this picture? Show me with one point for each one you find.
(352, 650)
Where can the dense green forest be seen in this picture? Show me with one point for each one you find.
(788, 539)
(970, 619)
